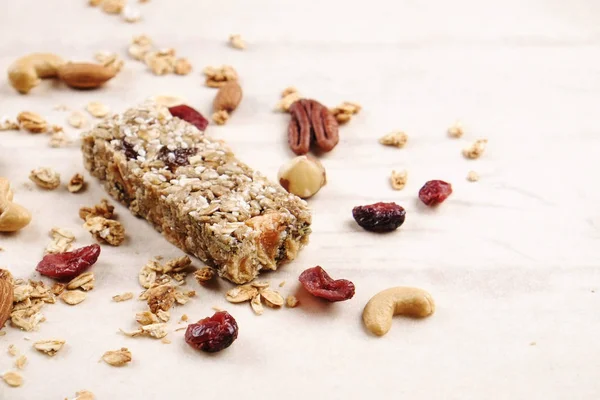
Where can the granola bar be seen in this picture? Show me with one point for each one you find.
(193, 190)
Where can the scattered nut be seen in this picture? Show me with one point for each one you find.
(12, 216)
(413, 302)
(204, 275)
(237, 42)
(13, 379)
(303, 176)
(456, 130)
(476, 149)
(62, 240)
(345, 111)
(123, 297)
(77, 119)
(182, 66)
(83, 75)
(117, 358)
(27, 72)
(76, 183)
(288, 97)
(45, 178)
(472, 176)
(32, 122)
(398, 179)
(105, 230)
(396, 139)
(218, 76)
(227, 99)
(97, 109)
(49, 347)
(73, 297)
(291, 301)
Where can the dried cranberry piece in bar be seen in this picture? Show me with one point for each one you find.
(69, 264)
(318, 283)
(190, 115)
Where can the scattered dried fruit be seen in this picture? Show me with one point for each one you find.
(396, 139)
(472, 176)
(97, 109)
(237, 42)
(45, 178)
(49, 347)
(212, 334)
(476, 149)
(76, 183)
(190, 115)
(105, 230)
(218, 76)
(456, 130)
(344, 112)
(73, 297)
(13, 379)
(398, 179)
(311, 123)
(303, 176)
(379, 217)
(32, 122)
(117, 358)
(435, 192)
(123, 297)
(318, 283)
(70, 264)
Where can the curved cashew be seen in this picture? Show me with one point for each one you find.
(401, 300)
(12, 216)
(27, 72)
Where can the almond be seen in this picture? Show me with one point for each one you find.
(85, 75)
(6, 296)
(228, 97)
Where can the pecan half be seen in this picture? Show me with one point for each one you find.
(311, 123)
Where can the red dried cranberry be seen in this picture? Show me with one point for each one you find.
(318, 283)
(175, 158)
(379, 217)
(190, 115)
(212, 334)
(69, 264)
(434, 192)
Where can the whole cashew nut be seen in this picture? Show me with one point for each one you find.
(401, 300)
(27, 72)
(12, 216)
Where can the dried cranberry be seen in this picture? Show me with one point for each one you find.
(190, 115)
(212, 334)
(318, 283)
(69, 264)
(175, 158)
(435, 192)
(379, 217)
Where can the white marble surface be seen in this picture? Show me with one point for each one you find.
(510, 260)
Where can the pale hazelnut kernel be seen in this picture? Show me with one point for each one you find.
(302, 176)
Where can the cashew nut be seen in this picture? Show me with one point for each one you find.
(27, 72)
(12, 216)
(401, 300)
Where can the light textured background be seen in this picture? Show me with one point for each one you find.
(510, 260)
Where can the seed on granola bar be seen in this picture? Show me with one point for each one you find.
(76, 183)
(45, 178)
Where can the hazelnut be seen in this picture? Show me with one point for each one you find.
(302, 176)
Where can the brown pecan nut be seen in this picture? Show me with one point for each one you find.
(311, 123)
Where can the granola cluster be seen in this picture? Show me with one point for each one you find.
(100, 222)
(160, 61)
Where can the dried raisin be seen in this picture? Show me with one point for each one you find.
(318, 283)
(379, 217)
(69, 264)
(175, 158)
(212, 334)
(435, 192)
(190, 115)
